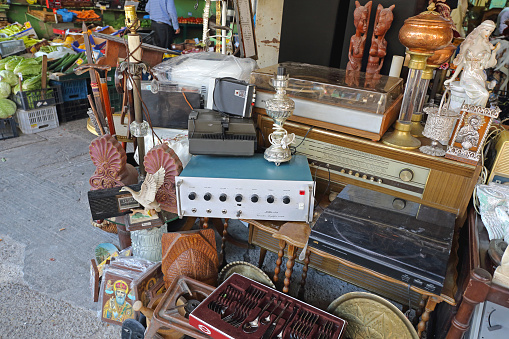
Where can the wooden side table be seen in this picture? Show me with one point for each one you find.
(270, 235)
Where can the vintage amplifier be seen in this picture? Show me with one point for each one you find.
(408, 243)
(500, 170)
(246, 187)
(356, 103)
(407, 174)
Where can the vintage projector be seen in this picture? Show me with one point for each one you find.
(216, 133)
(350, 102)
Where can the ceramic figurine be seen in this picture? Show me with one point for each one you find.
(147, 194)
(476, 55)
(358, 40)
(378, 48)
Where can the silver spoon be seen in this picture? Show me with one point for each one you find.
(266, 320)
(253, 325)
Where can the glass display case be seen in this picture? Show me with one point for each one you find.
(372, 93)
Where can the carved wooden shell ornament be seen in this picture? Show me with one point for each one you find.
(164, 156)
(110, 160)
(192, 254)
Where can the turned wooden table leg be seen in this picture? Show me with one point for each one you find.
(261, 258)
(279, 261)
(225, 232)
(292, 254)
(420, 309)
(205, 222)
(475, 293)
(430, 307)
(304, 274)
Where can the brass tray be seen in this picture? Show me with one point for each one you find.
(371, 316)
(247, 270)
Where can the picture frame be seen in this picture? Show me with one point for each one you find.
(94, 280)
(470, 133)
(138, 220)
(117, 297)
(146, 282)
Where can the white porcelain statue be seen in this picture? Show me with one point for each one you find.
(476, 54)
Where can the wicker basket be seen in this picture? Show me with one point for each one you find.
(106, 226)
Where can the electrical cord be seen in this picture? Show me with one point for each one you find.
(294, 148)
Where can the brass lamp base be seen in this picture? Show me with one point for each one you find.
(416, 125)
(401, 137)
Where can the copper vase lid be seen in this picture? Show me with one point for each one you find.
(441, 55)
(426, 32)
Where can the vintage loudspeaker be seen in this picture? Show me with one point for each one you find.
(500, 170)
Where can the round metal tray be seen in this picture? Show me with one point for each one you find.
(370, 316)
(247, 270)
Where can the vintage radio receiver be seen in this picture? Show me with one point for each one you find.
(250, 188)
(350, 102)
(436, 182)
(110, 202)
(500, 169)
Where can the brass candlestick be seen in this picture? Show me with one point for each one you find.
(422, 35)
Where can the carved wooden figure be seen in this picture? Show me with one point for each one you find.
(358, 40)
(192, 254)
(164, 156)
(110, 160)
(378, 48)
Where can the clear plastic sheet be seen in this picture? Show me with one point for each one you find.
(201, 67)
(494, 208)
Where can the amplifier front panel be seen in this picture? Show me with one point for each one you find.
(247, 199)
(364, 166)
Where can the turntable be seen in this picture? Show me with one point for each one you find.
(406, 241)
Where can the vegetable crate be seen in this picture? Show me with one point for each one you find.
(37, 98)
(37, 120)
(72, 89)
(11, 47)
(72, 110)
(8, 128)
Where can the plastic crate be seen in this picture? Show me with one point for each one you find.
(72, 89)
(115, 99)
(11, 47)
(37, 98)
(72, 110)
(8, 128)
(37, 120)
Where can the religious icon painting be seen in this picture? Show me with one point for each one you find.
(470, 133)
(117, 298)
(142, 285)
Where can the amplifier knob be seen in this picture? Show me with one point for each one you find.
(398, 204)
(379, 181)
(406, 174)
(286, 200)
(350, 172)
(342, 170)
(371, 178)
(270, 199)
(254, 198)
(207, 196)
(209, 210)
(222, 197)
(364, 176)
(192, 196)
(238, 198)
(357, 174)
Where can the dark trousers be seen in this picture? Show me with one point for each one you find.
(164, 34)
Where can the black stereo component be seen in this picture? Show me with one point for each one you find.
(110, 202)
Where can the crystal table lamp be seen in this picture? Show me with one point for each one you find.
(421, 35)
(279, 109)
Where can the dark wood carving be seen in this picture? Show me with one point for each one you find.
(164, 156)
(378, 48)
(192, 254)
(358, 40)
(110, 160)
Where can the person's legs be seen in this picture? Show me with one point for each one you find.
(161, 34)
(171, 36)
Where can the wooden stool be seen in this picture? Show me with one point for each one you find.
(296, 235)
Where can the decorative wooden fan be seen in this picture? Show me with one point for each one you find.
(164, 156)
(192, 254)
(110, 160)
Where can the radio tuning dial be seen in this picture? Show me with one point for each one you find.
(342, 170)
(286, 200)
(371, 178)
(270, 199)
(222, 197)
(350, 172)
(364, 176)
(406, 174)
(238, 198)
(254, 198)
(192, 196)
(207, 196)
(357, 174)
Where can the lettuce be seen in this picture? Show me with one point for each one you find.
(12, 63)
(9, 77)
(7, 108)
(5, 90)
(28, 67)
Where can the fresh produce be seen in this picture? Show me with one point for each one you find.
(28, 67)
(5, 90)
(59, 61)
(80, 61)
(4, 61)
(29, 84)
(11, 64)
(67, 63)
(7, 108)
(12, 29)
(9, 77)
